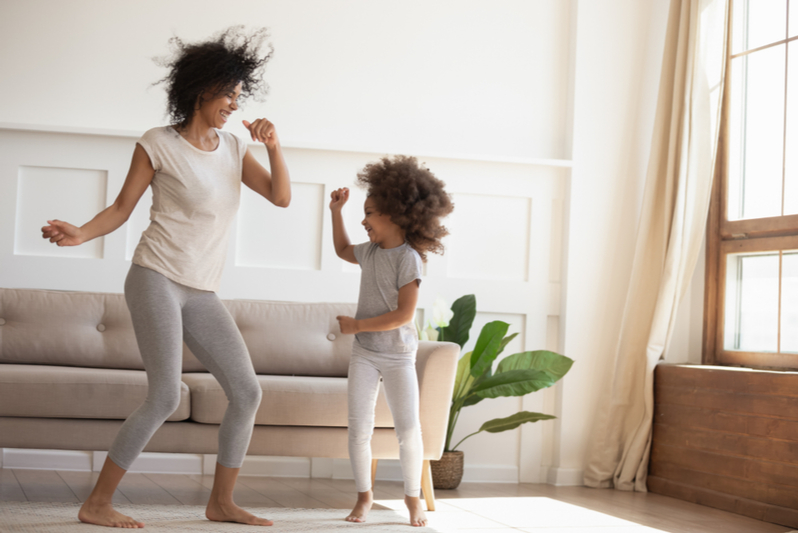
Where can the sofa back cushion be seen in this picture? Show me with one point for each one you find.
(67, 329)
(289, 338)
(94, 330)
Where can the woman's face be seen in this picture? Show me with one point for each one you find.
(216, 112)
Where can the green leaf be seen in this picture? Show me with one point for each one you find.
(473, 398)
(553, 364)
(503, 424)
(513, 383)
(505, 342)
(463, 378)
(464, 310)
(487, 346)
(511, 422)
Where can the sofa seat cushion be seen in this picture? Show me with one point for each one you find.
(41, 391)
(285, 401)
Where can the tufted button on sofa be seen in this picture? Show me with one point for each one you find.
(70, 374)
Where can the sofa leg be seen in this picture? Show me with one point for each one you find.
(427, 486)
(374, 471)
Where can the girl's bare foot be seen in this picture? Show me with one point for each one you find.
(416, 512)
(230, 512)
(362, 507)
(103, 514)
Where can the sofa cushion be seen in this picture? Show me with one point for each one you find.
(67, 329)
(289, 338)
(285, 401)
(66, 392)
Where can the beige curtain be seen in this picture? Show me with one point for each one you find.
(671, 230)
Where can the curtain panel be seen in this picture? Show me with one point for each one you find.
(670, 235)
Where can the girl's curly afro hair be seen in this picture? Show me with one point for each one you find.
(412, 196)
(214, 66)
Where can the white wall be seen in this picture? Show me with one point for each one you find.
(444, 77)
(537, 114)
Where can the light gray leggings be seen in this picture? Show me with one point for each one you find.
(164, 315)
(402, 394)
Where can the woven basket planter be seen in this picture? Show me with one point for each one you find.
(447, 471)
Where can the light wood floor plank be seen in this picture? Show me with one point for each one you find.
(82, 483)
(139, 489)
(182, 488)
(44, 486)
(333, 498)
(348, 488)
(10, 490)
(283, 494)
(243, 495)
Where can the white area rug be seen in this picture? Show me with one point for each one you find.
(31, 517)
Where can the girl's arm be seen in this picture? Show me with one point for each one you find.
(406, 309)
(341, 242)
(275, 186)
(139, 177)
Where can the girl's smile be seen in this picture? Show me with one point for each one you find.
(380, 228)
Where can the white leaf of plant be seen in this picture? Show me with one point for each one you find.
(441, 313)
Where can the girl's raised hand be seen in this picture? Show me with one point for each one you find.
(262, 130)
(62, 233)
(339, 198)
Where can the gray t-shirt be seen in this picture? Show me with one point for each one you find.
(383, 272)
(195, 199)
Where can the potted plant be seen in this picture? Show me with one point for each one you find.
(516, 375)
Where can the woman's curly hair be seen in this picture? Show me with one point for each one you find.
(217, 65)
(413, 197)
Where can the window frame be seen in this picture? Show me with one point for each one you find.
(724, 237)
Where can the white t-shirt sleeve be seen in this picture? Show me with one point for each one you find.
(149, 142)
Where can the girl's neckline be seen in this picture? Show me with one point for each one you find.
(219, 141)
(391, 249)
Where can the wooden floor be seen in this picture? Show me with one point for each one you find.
(473, 507)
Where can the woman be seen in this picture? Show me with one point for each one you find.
(195, 170)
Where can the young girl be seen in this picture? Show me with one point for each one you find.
(402, 213)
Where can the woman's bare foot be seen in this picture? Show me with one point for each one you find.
(103, 514)
(416, 512)
(362, 507)
(230, 512)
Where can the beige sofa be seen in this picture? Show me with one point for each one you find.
(70, 373)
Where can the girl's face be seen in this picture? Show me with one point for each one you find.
(380, 228)
(216, 112)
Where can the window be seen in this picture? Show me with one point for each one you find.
(751, 245)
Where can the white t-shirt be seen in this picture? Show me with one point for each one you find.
(384, 271)
(195, 199)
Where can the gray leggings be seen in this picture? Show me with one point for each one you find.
(164, 315)
(402, 394)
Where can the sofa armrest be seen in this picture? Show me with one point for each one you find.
(436, 371)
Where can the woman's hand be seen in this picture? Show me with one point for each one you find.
(348, 325)
(262, 130)
(339, 197)
(62, 233)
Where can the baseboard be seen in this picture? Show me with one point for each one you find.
(159, 463)
(276, 466)
(564, 477)
(46, 459)
(177, 463)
